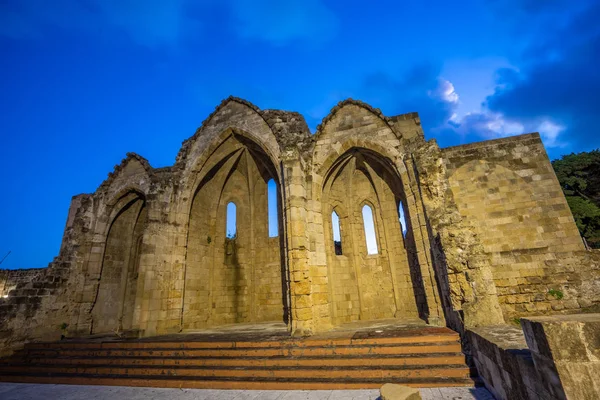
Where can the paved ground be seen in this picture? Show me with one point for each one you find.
(22, 391)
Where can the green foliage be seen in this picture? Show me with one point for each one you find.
(579, 177)
(516, 321)
(63, 326)
(557, 294)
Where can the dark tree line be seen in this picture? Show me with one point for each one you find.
(579, 176)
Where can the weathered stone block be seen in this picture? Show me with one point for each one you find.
(391, 391)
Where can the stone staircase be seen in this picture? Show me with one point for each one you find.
(426, 358)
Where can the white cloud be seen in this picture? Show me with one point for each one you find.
(487, 124)
(501, 127)
(448, 92)
(550, 132)
(445, 91)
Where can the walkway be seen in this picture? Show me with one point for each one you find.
(24, 391)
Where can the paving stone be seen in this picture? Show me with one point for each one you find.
(72, 392)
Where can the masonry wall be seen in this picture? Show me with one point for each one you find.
(508, 190)
(178, 271)
(399, 269)
(44, 301)
(550, 357)
(11, 278)
(366, 286)
(113, 307)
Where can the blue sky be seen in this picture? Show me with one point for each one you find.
(85, 81)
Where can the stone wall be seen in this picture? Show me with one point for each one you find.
(552, 357)
(508, 188)
(147, 252)
(360, 157)
(505, 364)
(11, 278)
(238, 277)
(463, 273)
(508, 191)
(566, 353)
(44, 303)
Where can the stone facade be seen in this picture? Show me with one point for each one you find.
(488, 234)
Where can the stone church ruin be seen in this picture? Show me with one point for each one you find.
(370, 222)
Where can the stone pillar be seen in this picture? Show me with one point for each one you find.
(566, 353)
(159, 293)
(294, 206)
(418, 224)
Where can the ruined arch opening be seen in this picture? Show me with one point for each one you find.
(235, 274)
(113, 309)
(369, 230)
(337, 234)
(376, 277)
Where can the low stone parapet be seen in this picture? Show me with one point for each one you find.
(552, 357)
(504, 363)
(566, 353)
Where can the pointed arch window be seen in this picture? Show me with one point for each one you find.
(337, 234)
(231, 220)
(402, 218)
(272, 208)
(369, 225)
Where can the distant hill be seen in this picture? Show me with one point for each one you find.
(579, 176)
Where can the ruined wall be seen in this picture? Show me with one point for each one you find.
(44, 301)
(116, 292)
(235, 277)
(10, 278)
(462, 271)
(551, 357)
(366, 286)
(508, 190)
(156, 237)
(401, 269)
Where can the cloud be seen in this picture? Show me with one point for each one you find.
(487, 124)
(435, 98)
(557, 88)
(280, 22)
(445, 91)
(419, 89)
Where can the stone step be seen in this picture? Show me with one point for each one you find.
(407, 360)
(233, 383)
(409, 339)
(254, 373)
(253, 352)
(429, 359)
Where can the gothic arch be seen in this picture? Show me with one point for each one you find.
(361, 285)
(351, 102)
(235, 114)
(241, 279)
(113, 306)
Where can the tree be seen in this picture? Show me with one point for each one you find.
(579, 177)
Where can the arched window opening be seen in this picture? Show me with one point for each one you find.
(337, 236)
(231, 220)
(369, 225)
(272, 208)
(402, 218)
